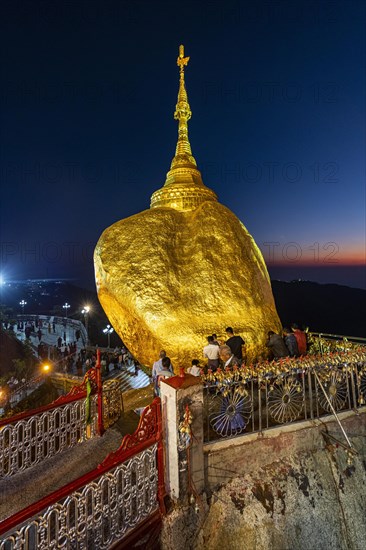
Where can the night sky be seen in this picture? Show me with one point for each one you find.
(277, 91)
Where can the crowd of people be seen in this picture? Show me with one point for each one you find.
(230, 352)
(227, 352)
(68, 355)
(30, 327)
(293, 343)
(68, 359)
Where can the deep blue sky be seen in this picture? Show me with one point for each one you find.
(277, 91)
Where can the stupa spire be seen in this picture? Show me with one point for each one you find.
(182, 112)
(183, 188)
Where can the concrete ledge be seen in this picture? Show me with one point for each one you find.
(247, 454)
(276, 431)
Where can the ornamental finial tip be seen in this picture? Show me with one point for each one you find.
(182, 61)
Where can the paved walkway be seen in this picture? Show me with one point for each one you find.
(128, 379)
(50, 338)
(126, 375)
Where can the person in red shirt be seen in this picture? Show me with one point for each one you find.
(300, 339)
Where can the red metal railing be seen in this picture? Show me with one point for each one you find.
(93, 376)
(100, 394)
(77, 392)
(32, 436)
(147, 434)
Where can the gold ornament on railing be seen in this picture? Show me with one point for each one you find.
(331, 366)
(185, 430)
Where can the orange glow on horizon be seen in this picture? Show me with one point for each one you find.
(329, 255)
(344, 262)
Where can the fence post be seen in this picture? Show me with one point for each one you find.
(100, 395)
(182, 398)
(160, 460)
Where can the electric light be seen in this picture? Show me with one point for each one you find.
(85, 312)
(108, 331)
(66, 306)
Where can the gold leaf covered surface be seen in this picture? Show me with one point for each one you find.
(167, 279)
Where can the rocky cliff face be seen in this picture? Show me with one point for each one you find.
(311, 501)
(304, 501)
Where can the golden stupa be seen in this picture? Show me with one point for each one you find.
(186, 268)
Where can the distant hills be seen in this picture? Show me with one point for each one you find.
(325, 308)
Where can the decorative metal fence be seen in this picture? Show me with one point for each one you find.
(323, 343)
(28, 438)
(22, 391)
(112, 402)
(28, 442)
(253, 399)
(101, 507)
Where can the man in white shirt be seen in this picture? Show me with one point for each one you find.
(211, 352)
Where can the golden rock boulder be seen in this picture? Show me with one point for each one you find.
(169, 276)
